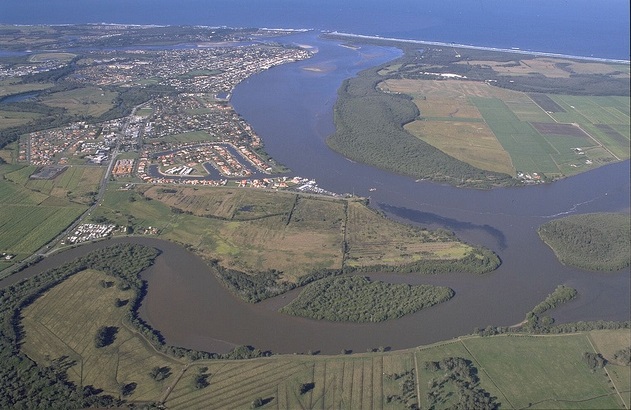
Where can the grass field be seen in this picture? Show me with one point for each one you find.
(32, 215)
(76, 183)
(63, 323)
(375, 240)
(42, 57)
(254, 231)
(90, 101)
(10, 89)
(495, 129)
(520, 371)
(10, 119)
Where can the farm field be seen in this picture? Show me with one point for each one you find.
(254, 231)
(12, 88)
(85, 305)
(88, 101)
(29, 218)
(546, 371)
(10, 119)
(76, 183)
(508, 131)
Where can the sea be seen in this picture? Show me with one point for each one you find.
(576, 27)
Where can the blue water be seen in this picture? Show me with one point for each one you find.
(577, 27)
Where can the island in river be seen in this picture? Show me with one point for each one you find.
(178, 132)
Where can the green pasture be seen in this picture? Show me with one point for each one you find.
(63, 323)
(144, 112)
(10, 119)
(543, 371)
(42, 57)
(529, 151)
(90, 101)
(24, 229)
(10, 89)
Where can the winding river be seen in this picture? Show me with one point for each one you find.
(290, 106)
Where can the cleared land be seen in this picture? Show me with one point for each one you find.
(10, 89)
(488, 110)
(10, 119)
(84, 306)
(88, 101)
(36, 211)
(509, 131)
(255, 231)
(590, 241)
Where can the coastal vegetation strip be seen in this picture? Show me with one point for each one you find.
(358, 299)
(599, 242)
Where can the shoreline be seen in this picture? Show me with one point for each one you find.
(349, 35)
(473, 47)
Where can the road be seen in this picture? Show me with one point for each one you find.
(51, 246)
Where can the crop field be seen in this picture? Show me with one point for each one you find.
(24, 228)
(29, 219)
(471, 142)
(508, 131)
(75, 183)
(90, 101)
(351, 382)
(62, 324)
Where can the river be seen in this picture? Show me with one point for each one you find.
(290, 106)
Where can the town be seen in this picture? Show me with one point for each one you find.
(191, 135)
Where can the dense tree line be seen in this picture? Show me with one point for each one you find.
(357, 299)
(461, 375)
(407, 384)
(594, 360)
(560, 295)
(590, 241)
(560, 328)
(262, 285)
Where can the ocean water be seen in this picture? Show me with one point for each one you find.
(576, 27)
